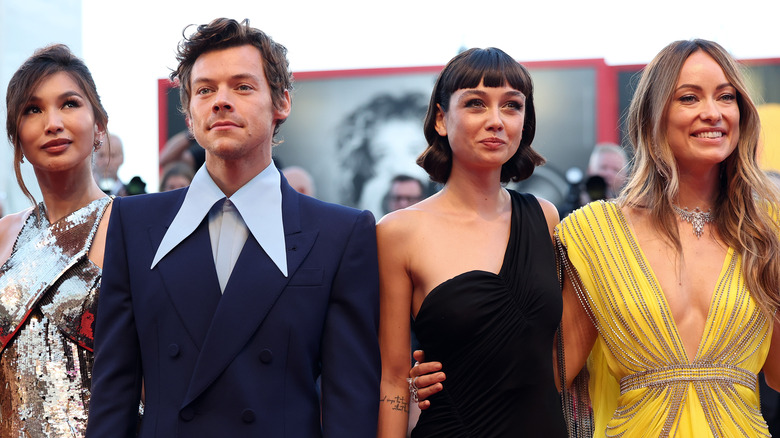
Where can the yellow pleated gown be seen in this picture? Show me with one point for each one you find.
(642, 383)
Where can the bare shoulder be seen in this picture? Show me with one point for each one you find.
(550, 213)
(399, 223)
(10, 226)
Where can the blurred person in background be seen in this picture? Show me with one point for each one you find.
(176, 176)
(108, 160)
(404, 191)
(300, 180)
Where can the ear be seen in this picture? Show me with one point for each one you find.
(100, 136)
(188, 122)
(441, 122)
(282, 111)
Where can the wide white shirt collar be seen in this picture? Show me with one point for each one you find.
(259, 202)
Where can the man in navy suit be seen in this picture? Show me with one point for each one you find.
(227, 300)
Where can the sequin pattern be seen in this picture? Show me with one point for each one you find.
(662, 393)
(48, 298)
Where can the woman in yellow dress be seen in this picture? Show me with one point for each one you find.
(680, 275)
(670, 290)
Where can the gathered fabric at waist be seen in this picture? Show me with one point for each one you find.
(684, 374)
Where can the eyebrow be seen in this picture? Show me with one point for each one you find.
(698, 87)
(513, 93)
(239, 77)
(63, 96)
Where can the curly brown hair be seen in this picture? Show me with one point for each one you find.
(225, 33)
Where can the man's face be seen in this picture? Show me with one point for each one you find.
(231, 112)
(404, 194)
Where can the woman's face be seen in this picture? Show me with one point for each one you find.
(484, 125)
(57, 129)
(703, 117)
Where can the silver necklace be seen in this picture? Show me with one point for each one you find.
(696, 218)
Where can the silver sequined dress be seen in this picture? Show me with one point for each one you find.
(48, 299)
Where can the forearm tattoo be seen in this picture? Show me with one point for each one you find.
(397, 403)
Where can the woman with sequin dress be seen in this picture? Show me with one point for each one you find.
(672, 288)
(51, 254)
(474, 264)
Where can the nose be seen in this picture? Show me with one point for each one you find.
(494, 121)
(53, 122)
(221, 101)
(710, 111)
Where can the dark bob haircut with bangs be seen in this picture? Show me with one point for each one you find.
(494, 68)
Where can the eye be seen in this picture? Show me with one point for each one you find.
(203, 91)
(514, 105)
(688, 98)
(474, 103)
(71, 103)
(31, 109)
(729, 97)
(244, 87)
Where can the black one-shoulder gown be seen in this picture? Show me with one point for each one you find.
(494, 336)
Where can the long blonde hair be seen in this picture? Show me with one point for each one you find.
(746, 209)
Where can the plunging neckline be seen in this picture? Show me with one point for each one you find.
(664, 307)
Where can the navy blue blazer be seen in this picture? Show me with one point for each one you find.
(246, 363)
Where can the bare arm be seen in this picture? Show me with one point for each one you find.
(395, 297)
(579, 334)
(578, 331)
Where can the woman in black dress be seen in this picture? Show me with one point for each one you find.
(474, 265)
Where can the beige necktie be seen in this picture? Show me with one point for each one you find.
(224, 262)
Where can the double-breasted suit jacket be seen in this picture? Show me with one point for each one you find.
(246, 362)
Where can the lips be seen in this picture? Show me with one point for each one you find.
(493, 142)
(56, 142)
(223, 124)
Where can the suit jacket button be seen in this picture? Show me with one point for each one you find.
(187, 414)
(248, 416)
(266, 356)
(173, 350)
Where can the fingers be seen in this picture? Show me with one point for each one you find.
(428, 385)
(427, 377)
(420, 369)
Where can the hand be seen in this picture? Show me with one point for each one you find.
(428, 379)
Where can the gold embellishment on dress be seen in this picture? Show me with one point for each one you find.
(682, 375)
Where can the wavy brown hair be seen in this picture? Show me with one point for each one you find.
(43, 63)
(746, 208)
(494, 68)
(225, 33)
